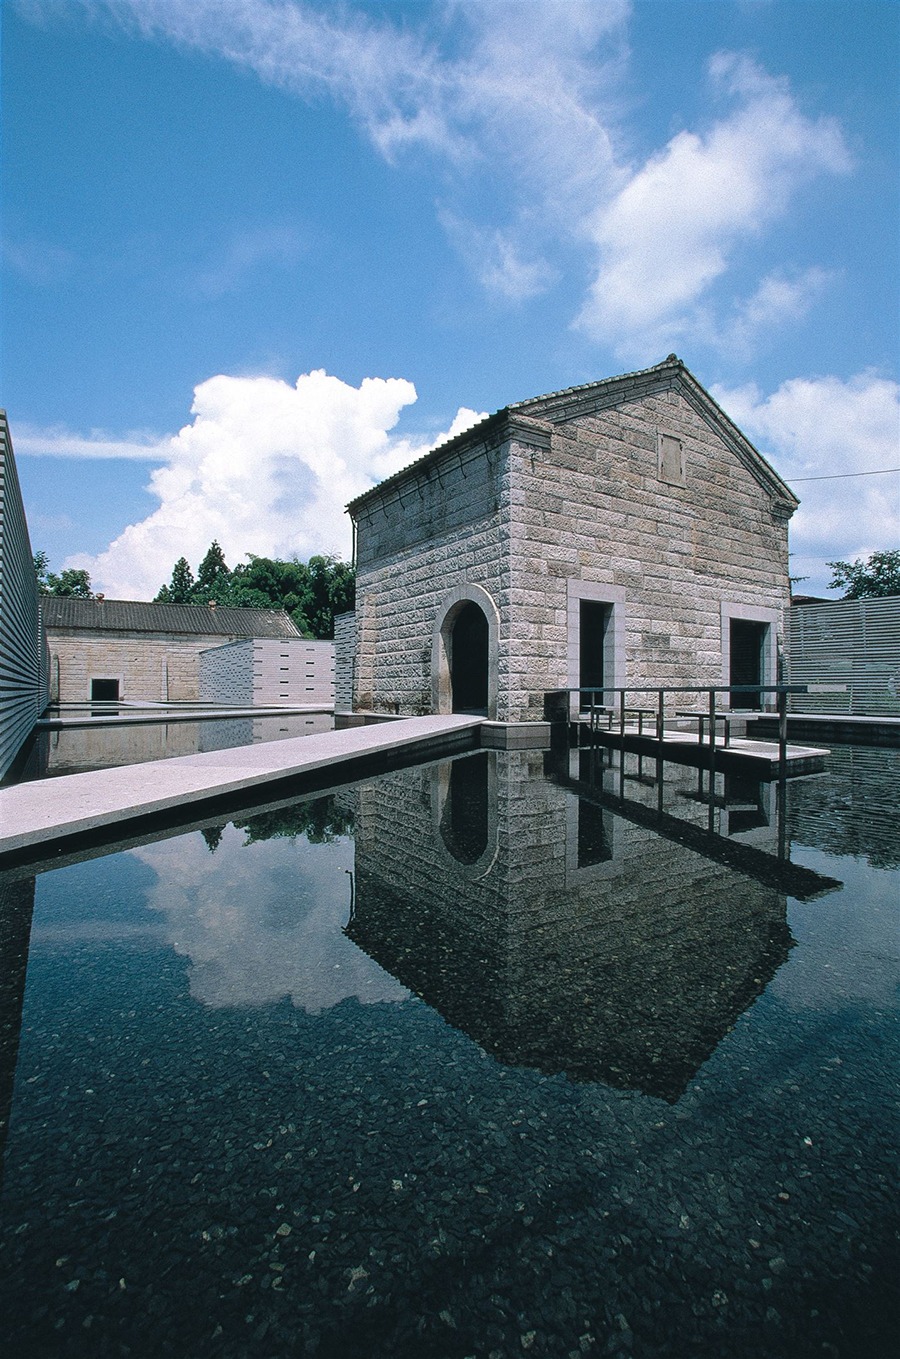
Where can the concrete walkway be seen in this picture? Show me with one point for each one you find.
(43, 813)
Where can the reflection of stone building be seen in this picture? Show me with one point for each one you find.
(623, 532)
(555, 933)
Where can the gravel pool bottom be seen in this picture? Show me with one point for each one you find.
(464, 1061)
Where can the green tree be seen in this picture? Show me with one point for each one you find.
(311, 592)
(878, 576)
(212, 573)
(73, 582)
(181, 586)
(41, 563)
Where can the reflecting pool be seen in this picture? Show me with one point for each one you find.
(514, 1054)
(83, 744)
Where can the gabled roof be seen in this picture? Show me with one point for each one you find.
(557, 407)
(194, 620)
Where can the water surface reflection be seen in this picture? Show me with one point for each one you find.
(644, 1108)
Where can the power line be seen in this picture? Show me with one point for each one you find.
(839, 476)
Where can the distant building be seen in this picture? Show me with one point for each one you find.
(23, 650)
(105, 650)
(620, 533)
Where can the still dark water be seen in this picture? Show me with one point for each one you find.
(475, 1059)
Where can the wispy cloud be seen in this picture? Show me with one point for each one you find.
(39, 262)
(57, 442)
(234, 264)
(671, 233)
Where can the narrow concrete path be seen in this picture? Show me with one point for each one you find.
(44, 811)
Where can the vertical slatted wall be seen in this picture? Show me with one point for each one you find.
(24, 660)
(849, 641)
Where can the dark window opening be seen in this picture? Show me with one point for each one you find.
(104, 691)
(469, 660)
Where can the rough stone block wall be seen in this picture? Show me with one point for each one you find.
(148, 667)
(226, 673)
(595, 509)
(644, 500)
(344, 660)
(446, 531)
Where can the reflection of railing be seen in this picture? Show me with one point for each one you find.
(559, 704)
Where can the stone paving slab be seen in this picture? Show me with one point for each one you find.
(43, 811)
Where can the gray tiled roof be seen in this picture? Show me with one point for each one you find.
(196, 620)
(561, 405)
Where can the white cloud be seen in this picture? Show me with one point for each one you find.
(263, 921)
(778, 300)
(827, 427)
(264, 467)
(671, 233)
(57, 442)
(523, 108)
(499, 262)
(514, 101)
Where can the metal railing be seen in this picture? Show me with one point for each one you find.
(595, 707)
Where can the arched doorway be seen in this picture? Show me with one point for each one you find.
(469, 660)
(464, 653)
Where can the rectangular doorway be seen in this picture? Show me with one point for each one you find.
(748, 649)
(594, 647)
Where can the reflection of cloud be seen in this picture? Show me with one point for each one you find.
(263, 921)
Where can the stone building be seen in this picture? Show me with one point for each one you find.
(126, 651)
(624, 532)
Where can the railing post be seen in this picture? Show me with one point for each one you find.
(712, 758)
(782, 732)
(660, 715)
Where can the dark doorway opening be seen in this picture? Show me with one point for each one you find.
(747, 650)
(104, 691)
(464, 821)
(595, 622)
(469, 660)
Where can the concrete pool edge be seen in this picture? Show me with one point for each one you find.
(41, 816)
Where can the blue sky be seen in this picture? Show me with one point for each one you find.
(261, 253)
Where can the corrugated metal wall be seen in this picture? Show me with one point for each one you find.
(24, 659)
(849, 641)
